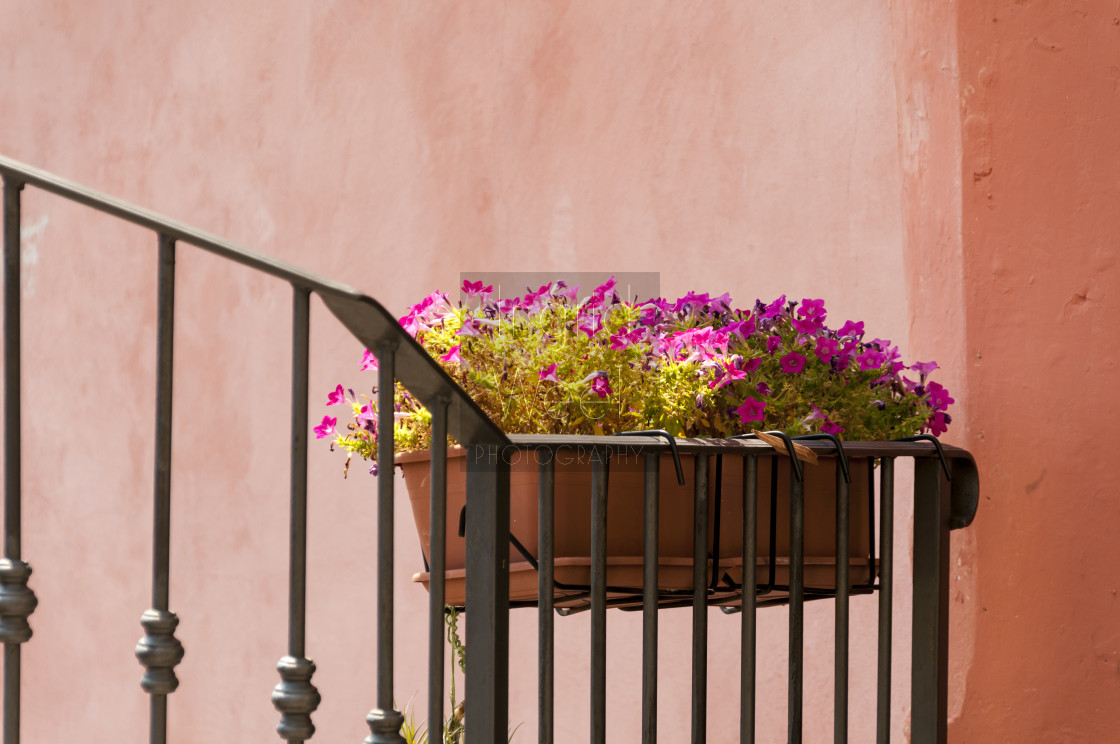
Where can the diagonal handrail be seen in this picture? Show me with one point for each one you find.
(362, 315)
(401, 359)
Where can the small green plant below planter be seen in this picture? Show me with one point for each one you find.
(416, 732)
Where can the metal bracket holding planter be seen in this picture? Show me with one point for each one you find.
(946, 494)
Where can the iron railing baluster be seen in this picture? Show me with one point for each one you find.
(749, 628)
(17, 601)
(700, 602)
(930, 651)
(886, 591)
(840, 635)
(600, 469)
(159, 651)
(295, 697)
(546, 536)
(796, 600)
(385, 721)
(650, 551)
(487, 687)
(437, 567)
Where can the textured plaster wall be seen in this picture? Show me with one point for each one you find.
(1040, 108)
(732, 147)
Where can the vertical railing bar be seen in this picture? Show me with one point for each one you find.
(159, 651)
(600, 473)
(546, 511)
(18, 601)
(437, 567)
(840, 674)
(297, 570)
(930, 622)
(749, 628)
(796, 604)
(12, 403)
(161, 542)
(650, 579)
(384, 721)
(700, 602)
(295, 697)
(886, 590)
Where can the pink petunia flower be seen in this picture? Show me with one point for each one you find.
(369, 361)
(452, 355)
(549, 373)
(337, 397)
(326, 428)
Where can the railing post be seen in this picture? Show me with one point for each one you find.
(385, 721)
(930, 654)
(159, 651)
(295, 697)
(487, 685)
(17, 601)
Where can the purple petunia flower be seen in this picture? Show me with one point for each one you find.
(772, 344)
(924, 368)
(830, 427)
(337, 397)
(591, 325)
(326, 428)
(793, 363)
(548, 373)
(852, 329)
(774, 309)
(751, 410)
(764, 389)
(939, 398)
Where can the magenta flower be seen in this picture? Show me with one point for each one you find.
(366, 413)
(810, 316)
(751, 410)
(793, 363)
(600, 385)
(854, 330)
(772, 344)
(764, 389)
(939, 398)
(338, 396)
(751, 364)
(730, 374)
(452, 355)
(774, 309)
(469, 329)
(326, 428)
(831, 428)
(369, 361)
(592, 325)
(871, 359)
(937, 423)
(549, 373)
(826, 348)
(474, 289)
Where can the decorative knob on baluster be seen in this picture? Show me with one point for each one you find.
(296, 698)
(17, 601)
(159, 651)
(385, 727)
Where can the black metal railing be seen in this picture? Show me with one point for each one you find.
(945, 497)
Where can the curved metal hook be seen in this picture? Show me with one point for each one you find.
(937, 445)
(796, 463)
(843, 457)
(672, 447)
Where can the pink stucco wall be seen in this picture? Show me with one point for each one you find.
(813, 149)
